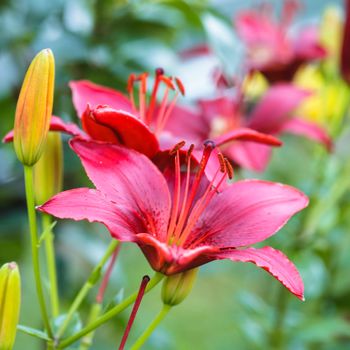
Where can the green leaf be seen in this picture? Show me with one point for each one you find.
(46, 232)
(117, 299)
(74, 326)
(33, 332)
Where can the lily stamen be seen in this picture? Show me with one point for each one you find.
(182, 222)
(148, 113)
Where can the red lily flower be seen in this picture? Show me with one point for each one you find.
(222, 121)
(109, 116)
(345, 52)
(144, 128)
(179, 218)
(271, 49)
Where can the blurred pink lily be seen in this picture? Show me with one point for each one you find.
(109, 116)
(222, 121)
(179, 218)
(272, 50)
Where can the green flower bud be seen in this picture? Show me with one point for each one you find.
(10, 299)
(177, 287)
(34, 108)
(48, 171)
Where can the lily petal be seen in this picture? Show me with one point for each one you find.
(187, 124)
(107, 124)
(307, 45)
(56, 124)
(274, 262)
(129, 179)
(275, 107)
(310, 130)
(258, 209)
(85, 92)
(246, 134)
(249, 155)
(173, 259)
(92, 205)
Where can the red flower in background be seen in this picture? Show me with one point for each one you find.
(345, 52)
(109, 116)
(271, 49)
(222, 121)
(179, 218)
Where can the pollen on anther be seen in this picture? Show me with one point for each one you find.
(180, 86)
(177, 147)
(229, 169)
(167, 81)
(131, 81)
(222, 162)
(189, 152)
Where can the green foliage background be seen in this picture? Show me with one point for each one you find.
(232, 306)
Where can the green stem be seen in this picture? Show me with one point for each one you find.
(51, 265)
(277, 334)
(28, 179)
(92, 280)
(335, 193)
(146, 334)
(110, 314)
(86, 341)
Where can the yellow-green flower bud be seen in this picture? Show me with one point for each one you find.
(331, 31)
(34, 108)
(48, 170)
(10, 299)
(177, 287)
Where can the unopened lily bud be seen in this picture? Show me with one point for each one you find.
(34, 108)
(10, 297)
(177, 287)
(48, 171)
(331, 31)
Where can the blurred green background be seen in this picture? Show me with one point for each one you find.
(232, 306)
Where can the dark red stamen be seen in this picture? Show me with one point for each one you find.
(135, 308)
(107, 276)
(159, 71)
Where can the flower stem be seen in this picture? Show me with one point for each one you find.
(51, 265)
(281, 308)
(88, 285)
(28, 179)
(111, 313)
(140, 295)
(326, 202)
(86, 341)
(146, 334)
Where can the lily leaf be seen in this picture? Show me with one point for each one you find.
(46, 232)
(33, 332)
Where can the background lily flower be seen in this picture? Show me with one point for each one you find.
(222, 121)
(271, 48)
(345, 52)
(180, 220)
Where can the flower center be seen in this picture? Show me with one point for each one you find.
(149, 114)
(186, 208)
